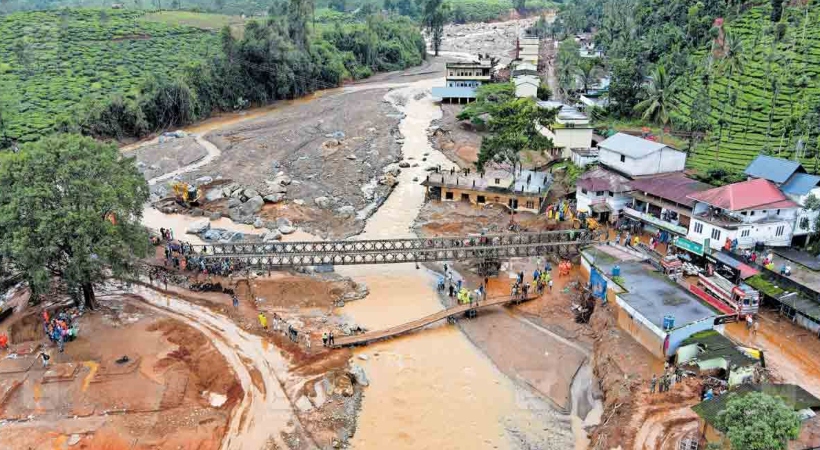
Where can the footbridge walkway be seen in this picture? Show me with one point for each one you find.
(380, 251)
(373, 336)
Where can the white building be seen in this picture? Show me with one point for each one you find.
(570, 130)
(526, 86)
(528, 48)
(635, 156)
(751, 211)
(602, 193)
(792, 179)
(583, 157)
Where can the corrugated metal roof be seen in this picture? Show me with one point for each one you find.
(603, 180)
(565, 112)
(753, 194)
(675, 187)
(794, 396)
(454, 92)
(714, 345)
(632, 146)
(773, 169)
(800, 184)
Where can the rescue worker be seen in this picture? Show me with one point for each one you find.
(652, 383)
(263, 321)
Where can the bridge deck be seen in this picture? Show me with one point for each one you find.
(372, 336)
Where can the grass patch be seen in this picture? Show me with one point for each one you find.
(205, 21)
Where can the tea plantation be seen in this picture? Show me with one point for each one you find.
(51, 62)
(780, 74)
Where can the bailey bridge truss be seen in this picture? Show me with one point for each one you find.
(381, 251)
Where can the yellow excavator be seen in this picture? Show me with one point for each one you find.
(585, 222)
(186, 193)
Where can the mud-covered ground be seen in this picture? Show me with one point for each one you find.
(173, 390)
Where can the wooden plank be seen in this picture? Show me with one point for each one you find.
(372, 336)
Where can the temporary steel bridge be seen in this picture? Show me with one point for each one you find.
(381, 251)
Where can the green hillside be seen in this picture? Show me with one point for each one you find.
(771, 110)
(50, 62)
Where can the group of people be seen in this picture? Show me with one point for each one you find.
(279, 325)
(560, 211)
(59, 328)
(664, 383)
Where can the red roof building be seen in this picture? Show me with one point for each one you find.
(746, 195)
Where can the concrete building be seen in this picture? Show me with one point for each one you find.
(462, 80)
(662, 202)
(750, 211)
(528, 49)
(710, 350)
(792, 179)
(571, 129)
(526, 86)
(583, 157)
(526, 190)
(602, 193)
(635, 156)
(657, 312)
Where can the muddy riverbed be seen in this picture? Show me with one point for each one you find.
(433, 389)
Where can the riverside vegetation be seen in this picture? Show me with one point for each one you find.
(116, 74)
(730, 79)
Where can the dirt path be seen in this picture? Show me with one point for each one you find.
(213, 153)
(265, 413)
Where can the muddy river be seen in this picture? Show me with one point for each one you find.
(433, 389)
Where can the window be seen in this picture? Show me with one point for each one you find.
(480, 199)
(583, 191)
(611, 194)
(698, 228)
(530, 204)
(623, 158)
(745, 233)
(498, 181)
(778, 212)
(448, 196)
(715, 234)
(599, 193)
(780, 230)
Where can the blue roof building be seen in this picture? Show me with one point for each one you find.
(776, 170)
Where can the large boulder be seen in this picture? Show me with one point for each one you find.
(343, 385)
(346, 211)
(322, 202)
(246, 212)
(274, 198)
(272, 236)
(404, 164)
(237, 193)
(228, 189)
(250, 193)
(286, 229)
(212, 235)
(214, 194)
(234, 202)
(259, 223)
(357, 372)
(254, 204)
(199, 226)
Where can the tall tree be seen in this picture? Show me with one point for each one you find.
(434, 15)
(299, 13)
(758, 421)
(659, 95)
(589, 70)
(515, 124)
(70, 207)
(732, 63)
(520, 5)
(624, 88)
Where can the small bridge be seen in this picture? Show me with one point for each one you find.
(373, 336)
(380, 251)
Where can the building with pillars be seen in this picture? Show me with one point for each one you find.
(526, 190)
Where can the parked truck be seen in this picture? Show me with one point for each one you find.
(742, 298)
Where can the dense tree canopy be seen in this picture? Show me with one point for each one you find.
(70, 207)
(758, 421)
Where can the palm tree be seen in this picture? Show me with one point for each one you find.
(732, 63)
(588, 70)
(659, 97)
